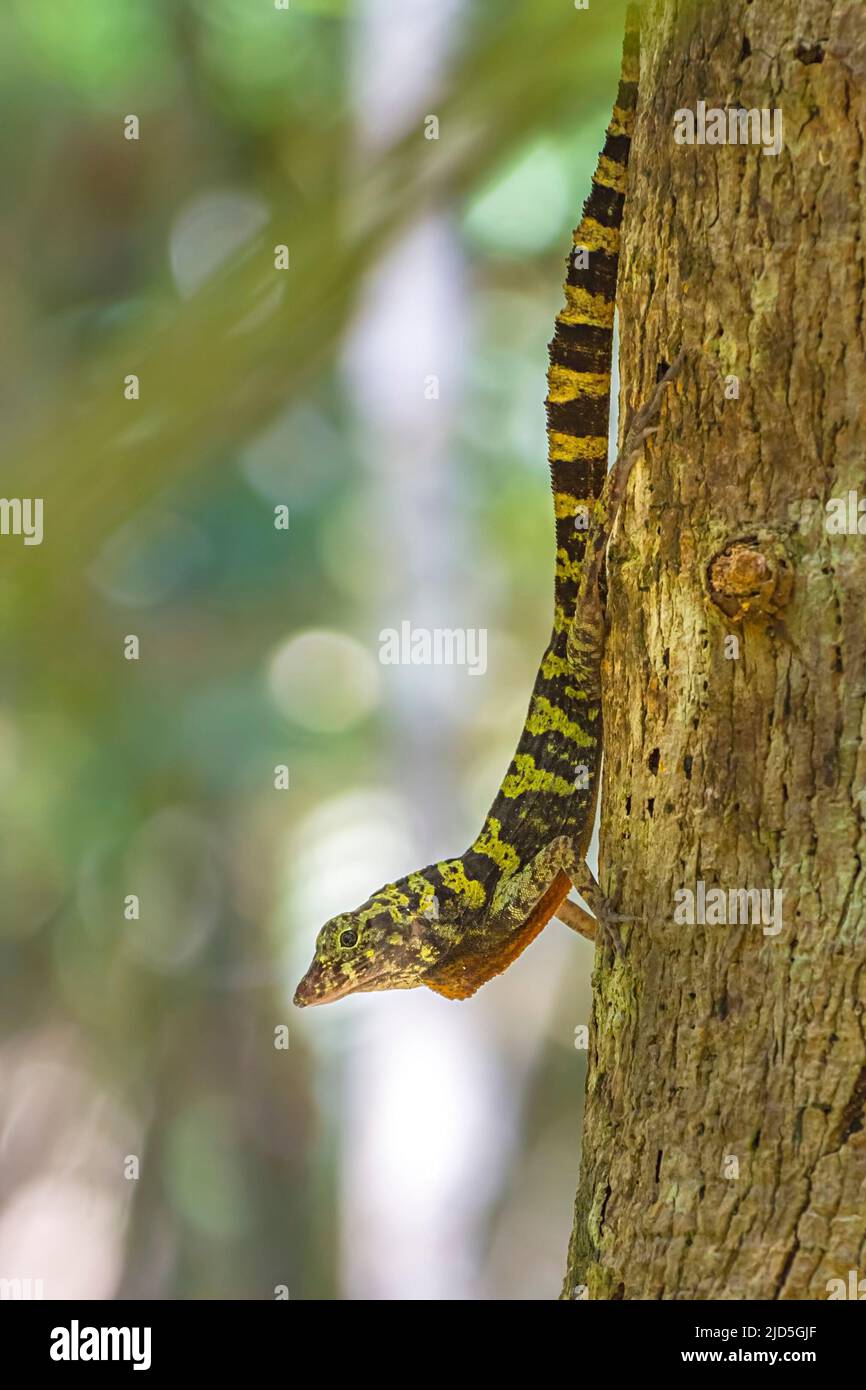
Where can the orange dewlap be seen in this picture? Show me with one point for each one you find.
(468, 974)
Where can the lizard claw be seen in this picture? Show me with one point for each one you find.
(608, 929)
(608, 924)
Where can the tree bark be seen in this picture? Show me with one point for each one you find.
(724, 1151)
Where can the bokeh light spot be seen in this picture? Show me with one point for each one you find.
(324, 681)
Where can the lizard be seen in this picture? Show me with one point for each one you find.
(456, 924)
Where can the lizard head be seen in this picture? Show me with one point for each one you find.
(390, 942)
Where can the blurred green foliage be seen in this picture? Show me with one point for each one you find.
(156, 777)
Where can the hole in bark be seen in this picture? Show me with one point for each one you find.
(628, 805)
(687, 766)
(746, 50)
(837, 664)
(607, 1193)
(755, 1141)
(852, 1116)
(784, 791)
(809, 53)
(658, 1164)
(650, 806)
(666, 658)
(786, 1267)
(653, 762)
(661, 369)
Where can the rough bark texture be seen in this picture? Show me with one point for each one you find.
(714, 1043)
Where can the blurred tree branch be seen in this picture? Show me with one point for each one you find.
(215, 368)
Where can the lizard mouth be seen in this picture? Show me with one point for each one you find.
(313, 990)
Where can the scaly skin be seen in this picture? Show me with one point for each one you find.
(454, 925)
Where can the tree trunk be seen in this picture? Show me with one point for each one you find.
(724, 1151)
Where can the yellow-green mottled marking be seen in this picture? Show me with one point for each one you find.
(491, 844)
(455, 878)
(529, 778)
(553, 665)
(546, 718)
(583, 307)
(565, 384)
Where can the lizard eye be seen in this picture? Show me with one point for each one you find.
(349, 937)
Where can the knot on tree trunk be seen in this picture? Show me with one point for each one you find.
(751, 577)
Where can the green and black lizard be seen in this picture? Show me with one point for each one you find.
(456, 924)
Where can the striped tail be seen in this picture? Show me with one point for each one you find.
(579, 376)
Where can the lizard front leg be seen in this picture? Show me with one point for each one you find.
(603, 916)
(545, 879)
(520, 908)
(523, 904)
(520, 900)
